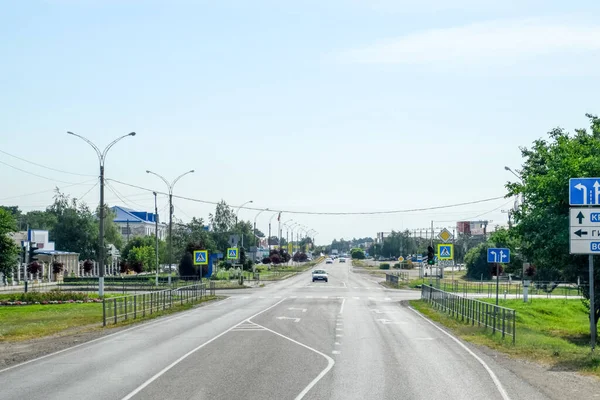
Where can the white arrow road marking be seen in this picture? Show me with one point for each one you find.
(299, 309)
(388, 322)
(290, 318)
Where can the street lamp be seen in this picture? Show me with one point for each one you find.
(269, 238)
(236, 217)
(260, 212)
(514, 173)
(101, 159)
(170, 187)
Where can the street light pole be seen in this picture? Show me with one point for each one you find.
(170, 187)
(260, 212)
(236, 217)
(156, 235)
(269, 237)
(101, 158)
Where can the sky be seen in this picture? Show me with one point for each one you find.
(306, 106)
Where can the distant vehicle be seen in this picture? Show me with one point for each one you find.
(342, 260)
(319, 275)
(328, 261)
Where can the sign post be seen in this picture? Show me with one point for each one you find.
(498, 256)
(584, 235)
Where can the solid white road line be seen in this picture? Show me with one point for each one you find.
(491, 373)
(143, 325)
(330, 361)
(189, 353)
(342, 307)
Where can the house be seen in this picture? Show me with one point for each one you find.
(137, 223)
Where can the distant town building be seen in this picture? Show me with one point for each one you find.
(134, 223)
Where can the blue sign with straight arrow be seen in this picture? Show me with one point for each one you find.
(498, 255)
(584, 191)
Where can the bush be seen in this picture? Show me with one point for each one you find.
(384, 266)
(88, 265)
(137, 267)
(530, 271)
(397, 266)
(57, 267)
(300, 257)
(124, 266)
(266, 260)
(53, 295)
(34, 267)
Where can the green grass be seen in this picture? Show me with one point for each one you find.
(28, 322)
(554, 332)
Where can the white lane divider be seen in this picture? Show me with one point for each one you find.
(342, 307)
(335, 352)
(330, 361)
(491, 373)
(297, 309)
(189, 353)
(290, 318)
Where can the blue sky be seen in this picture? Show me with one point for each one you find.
(341, 105)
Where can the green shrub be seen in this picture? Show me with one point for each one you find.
(384, 266)
(54, 295)
(397, 266)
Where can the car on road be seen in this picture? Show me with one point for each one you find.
(342, 260)
(328, 261)
(319, 275)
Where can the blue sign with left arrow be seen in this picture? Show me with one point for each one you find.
(498, 255)
(584, 191)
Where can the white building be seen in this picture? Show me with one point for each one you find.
(137, 223)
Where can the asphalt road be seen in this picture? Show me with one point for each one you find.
(345, 339)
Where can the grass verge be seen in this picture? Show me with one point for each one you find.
(34, 321)
(554, 332)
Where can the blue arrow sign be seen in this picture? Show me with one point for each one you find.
(584, 191)
(498, 255)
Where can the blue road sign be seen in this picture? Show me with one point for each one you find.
(232, 253)
(584, 191)
(498, 255)
(200, 257)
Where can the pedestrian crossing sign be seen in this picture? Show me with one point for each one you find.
(200, 257)
(232, 253)
(445, 251)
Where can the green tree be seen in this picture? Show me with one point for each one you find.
(142, 258)
(357, 254)
(75, 228)
(112, 233)
(9, 252)
(192, 232)
(42, 220)
(541, 222)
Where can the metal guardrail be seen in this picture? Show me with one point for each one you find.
(473, 311)
(396, 277)
(117, 309)
(549, 289)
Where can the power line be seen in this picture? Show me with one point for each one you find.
(47, 191)
(321, 213)
(119, 197)
(39, 176)
(43, 166)
(86, 193)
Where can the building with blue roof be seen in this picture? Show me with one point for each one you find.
(134, 223)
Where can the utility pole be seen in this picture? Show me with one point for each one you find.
(156, 235)
(101, 158)
(128, 230)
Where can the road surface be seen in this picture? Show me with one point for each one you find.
(345, 339)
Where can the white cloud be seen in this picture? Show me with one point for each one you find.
(503, 42)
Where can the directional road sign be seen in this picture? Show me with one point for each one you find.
(234, 240)
(200, 257)
(584, 191)
(445, 235)
(232, 253)
(584, 230)
(498, 255)
(445, 251)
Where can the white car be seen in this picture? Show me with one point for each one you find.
(328, 261)
(319, 275)
(342, 260)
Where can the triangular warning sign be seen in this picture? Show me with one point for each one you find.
(445, 252)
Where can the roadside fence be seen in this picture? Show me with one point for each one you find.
(395, 277)
(471, 311)
(488, 289)
(122, 308)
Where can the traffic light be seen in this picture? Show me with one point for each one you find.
(430, 256)
(32, 256)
